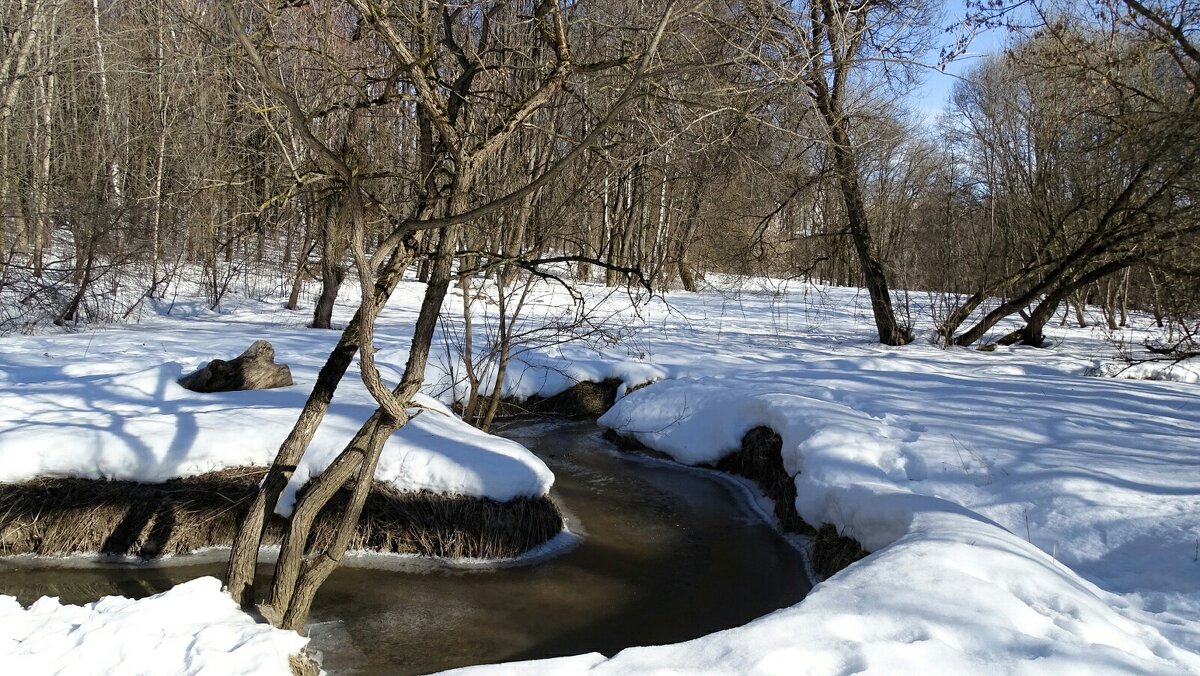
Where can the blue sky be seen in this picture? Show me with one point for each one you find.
(933, 92)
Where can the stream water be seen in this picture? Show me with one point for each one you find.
(666, 554)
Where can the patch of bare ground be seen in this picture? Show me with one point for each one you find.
(582, 400)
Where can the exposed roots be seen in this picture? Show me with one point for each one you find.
(582, 400)
(303, 665)
(65, 516)
(760, 460)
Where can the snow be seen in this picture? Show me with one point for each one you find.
(543, 375)
(1022, 511)
(903, 610)
(1180, 371)
(1025, 513)
(194, 628)
(106, 406)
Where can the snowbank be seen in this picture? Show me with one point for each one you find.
(1025, 516)
(1103, 475)
(194, 628)
(142, 426)
(1182, 371)
(545, 375)
(106, 405)
(953, 596)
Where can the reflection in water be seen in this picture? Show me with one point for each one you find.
(668, 555)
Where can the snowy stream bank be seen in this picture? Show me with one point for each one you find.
(1025, 515)
(647, 535)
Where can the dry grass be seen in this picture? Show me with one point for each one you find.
(761, 460)
(303, 664)
(63, 516)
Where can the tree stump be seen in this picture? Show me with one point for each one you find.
(254, 369)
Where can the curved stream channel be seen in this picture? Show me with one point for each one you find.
(667, 554)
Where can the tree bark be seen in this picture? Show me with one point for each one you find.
(333, 268)
(299, 574)
(890, 330)
(244, 555)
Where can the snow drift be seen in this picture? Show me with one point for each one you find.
(194, 628)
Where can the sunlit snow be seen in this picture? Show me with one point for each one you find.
(1026, 513)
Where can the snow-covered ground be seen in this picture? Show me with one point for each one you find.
(106, 405)
(194, 628)
(1025, 514)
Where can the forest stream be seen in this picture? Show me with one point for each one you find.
(665, 554)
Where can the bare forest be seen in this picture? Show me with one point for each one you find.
(266, 148)
(254, 147)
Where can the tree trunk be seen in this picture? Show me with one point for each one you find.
(160, 157)
(113, 164)
(243, 557)
(686, 277)
(41, 222)
(332, 276)
(333, 271)
(293, 302)
(1110, 305)
(889, 329)
(300, 573)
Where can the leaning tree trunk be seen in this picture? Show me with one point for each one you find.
(1033, 333)
(1070, 282)
(244, 556)
(300, 572)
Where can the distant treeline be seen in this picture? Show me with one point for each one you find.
(638, 142)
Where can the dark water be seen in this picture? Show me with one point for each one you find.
(667, 555)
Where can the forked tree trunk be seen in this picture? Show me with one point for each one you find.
(299, 572)
(244, 555)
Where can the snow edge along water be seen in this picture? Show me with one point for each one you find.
(946, 587)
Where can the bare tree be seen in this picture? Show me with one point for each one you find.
(464, 126)
(1065, 221)
(840, 49)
